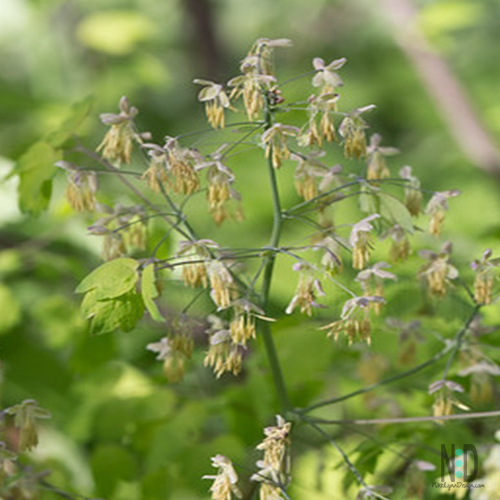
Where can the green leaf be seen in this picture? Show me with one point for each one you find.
(10, 311)
(368, 200)
(111, 464)
(70, 125)
(366, 462)
(150, 292)
(108, 315)
(115, 32)
(112, 279)
(36, 169)
(394, 211)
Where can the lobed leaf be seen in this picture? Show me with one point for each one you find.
(112, 279)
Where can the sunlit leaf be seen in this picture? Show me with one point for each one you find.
(110, 314)
(111, 279)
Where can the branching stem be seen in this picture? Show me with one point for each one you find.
(269, 260)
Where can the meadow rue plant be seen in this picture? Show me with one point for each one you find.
(352, 197)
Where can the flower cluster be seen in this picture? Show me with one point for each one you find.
(117, 143)
(25, 416)
(173, 351)
(444, 399)
(225, 481)
(274, 468)
(438, 272)
(82, 187)
(485, 270)
(354, 320)
(123, 230)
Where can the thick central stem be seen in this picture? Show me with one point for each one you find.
(272, 355)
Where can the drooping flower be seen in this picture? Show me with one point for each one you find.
(412, 191)
(274, 140)
(437, 207)
(225, 481)
(173, 351)
(156, 173)
(242, 326)
(445, 401)
(196, 255)
(222, 288)
(182, 166)
(331, 259)
(123, 229)
(252, 86)
(223, 354)
(81, 191)
(257, 78)
(117, 143)
(82, 187)
(372, 281)
(274, 468)
(481, 381)
(263, 50)
(307, 290)
(352, 129)
(220, 179)
(215, 99)
(377, 166)
(172, 165)
(485, 276)
(309, 171)
(321, 108)
(354, 320)
(25, 416)
(438, 271)
(361, 241)
(326, 78)
(400, 248)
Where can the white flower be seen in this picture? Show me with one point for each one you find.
(163, 348)
(325, 74)
(377, 271)
(363, 226)
(359, 302)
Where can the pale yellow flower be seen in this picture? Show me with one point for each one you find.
(437, 207)
(361, 241)
(225, 481)
(117, 143)
(215, 99)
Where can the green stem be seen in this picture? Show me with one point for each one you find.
(369, 388)
(272, 355)
(459, 339)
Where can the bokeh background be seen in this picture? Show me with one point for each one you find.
(119, 431)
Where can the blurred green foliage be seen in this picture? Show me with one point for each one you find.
(119, 431)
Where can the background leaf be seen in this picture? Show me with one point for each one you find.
(36, 170)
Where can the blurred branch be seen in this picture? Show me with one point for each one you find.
(406, 420)
(449, 96)
(203, 37)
